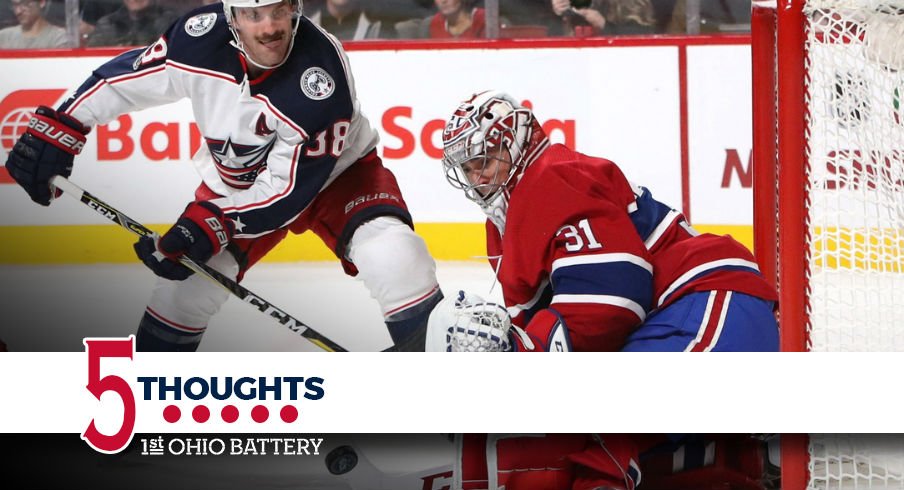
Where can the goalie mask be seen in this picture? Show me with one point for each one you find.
(229, 7)
(487, 144)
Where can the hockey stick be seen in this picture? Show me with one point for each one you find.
(226, 283)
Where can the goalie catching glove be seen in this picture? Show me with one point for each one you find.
(200, 233)
(46, 149)
(468, 323)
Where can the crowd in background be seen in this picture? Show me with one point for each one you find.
(35, 24)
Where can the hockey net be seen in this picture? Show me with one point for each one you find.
(828, 107)
(838, 160)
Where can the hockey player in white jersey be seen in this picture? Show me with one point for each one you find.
(286, 149)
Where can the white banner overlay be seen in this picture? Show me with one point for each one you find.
(454, 393)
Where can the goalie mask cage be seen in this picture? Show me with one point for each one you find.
(828, 156)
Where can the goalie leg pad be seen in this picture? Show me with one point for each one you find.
(183, 308)
(395, 266)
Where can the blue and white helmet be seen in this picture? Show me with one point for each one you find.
(481, 126)
(229, 5)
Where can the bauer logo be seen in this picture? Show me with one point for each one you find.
(187, 402)
(16, 110)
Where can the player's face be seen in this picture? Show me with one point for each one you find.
(265, 31)
(489, 173)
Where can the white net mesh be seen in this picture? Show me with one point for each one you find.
(843, 462)
(855, 123)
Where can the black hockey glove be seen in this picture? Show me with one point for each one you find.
(47, 148)
(200, 233)
(146, 248)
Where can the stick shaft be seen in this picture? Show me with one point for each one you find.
(212, 274)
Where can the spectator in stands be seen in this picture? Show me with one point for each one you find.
(531, 13)
(33, 30)
(454, 19)
(7, 17)
(91, 11)
(457, 19)
(662, 12)
(395, 13)
(347, 20)
(715, 16)
(605, 17)
(135, 23)
(180, 7)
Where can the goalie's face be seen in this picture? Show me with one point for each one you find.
(489, 140)
(265, 32)
(488, 174)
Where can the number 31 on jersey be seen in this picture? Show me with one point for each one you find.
(578, 237)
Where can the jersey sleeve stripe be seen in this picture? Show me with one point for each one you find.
(620, 279)
(670, 218)
(201, 71)
(132, 76)
(651, 218)
(704, 269)
(101, 82)
(601, 259)
(110, 82)
(69, 108)
(601, 299)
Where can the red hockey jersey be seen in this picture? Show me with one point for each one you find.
(583, 241)
(545, 462)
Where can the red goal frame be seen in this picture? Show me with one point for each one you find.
(779, 186)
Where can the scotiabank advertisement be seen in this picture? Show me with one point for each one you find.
(261, 405)
(620, 102)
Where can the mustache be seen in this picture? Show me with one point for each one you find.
(274, 37)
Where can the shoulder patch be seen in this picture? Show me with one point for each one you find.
(200, 24)
(317, 84)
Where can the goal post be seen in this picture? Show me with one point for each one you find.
(828, 163)
(828, 146)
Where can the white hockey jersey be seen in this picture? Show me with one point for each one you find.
(270, 144)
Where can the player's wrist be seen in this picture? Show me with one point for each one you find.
(209, 219)
(58, 129)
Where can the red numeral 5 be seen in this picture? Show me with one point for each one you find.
(98, 349)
